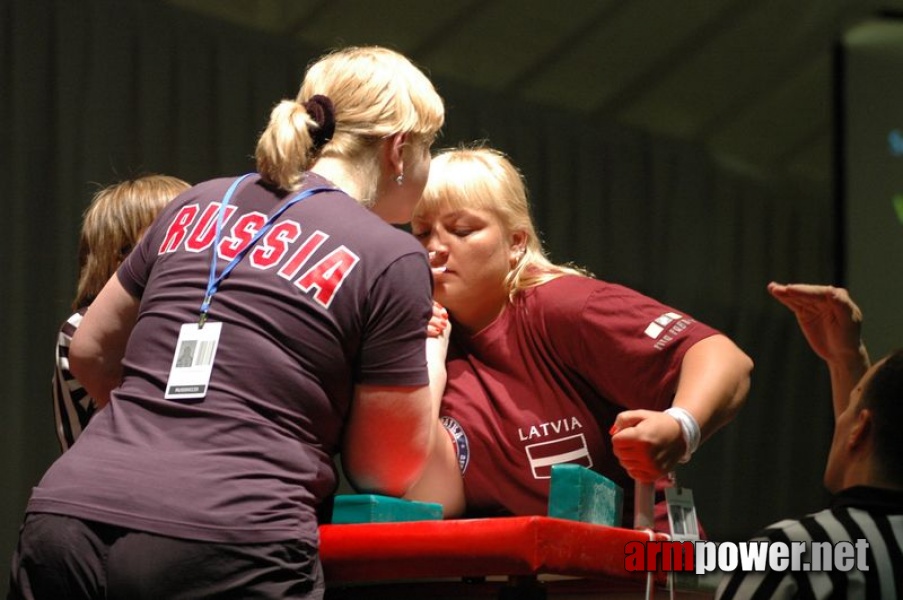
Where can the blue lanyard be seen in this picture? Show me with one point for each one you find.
(214, 282)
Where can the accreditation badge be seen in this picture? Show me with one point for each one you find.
(192, 362)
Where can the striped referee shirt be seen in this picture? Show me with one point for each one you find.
(72, 406)
(869, 513)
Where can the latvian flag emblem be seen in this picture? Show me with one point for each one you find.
(571, 449)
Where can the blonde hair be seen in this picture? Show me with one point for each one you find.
(113, 223)
(480, 178)
(375, 93)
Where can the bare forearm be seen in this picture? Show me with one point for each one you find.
(99, 377)
(441, 480)
(845, 374)
(388, 438)
(435, 359)
(714, 383)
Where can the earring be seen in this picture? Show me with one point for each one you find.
(399, 179)
(515, 260)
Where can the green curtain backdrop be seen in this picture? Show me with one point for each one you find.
(95, 90)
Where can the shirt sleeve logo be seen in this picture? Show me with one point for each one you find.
(675, 325)
(657, 326)
(462, 447)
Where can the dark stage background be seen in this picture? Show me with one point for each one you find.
(871, 183)
(95, 90)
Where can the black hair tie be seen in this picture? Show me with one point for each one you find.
(320, 109)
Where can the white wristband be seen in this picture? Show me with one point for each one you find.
(688, 427)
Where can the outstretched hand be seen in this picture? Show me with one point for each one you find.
(648, 443)
(828, 317)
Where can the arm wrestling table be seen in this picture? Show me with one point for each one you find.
(509, 557)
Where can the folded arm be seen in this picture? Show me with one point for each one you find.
(713, 384)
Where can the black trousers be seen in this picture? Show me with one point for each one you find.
(62, 557)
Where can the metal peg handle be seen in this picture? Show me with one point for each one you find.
(643, 505)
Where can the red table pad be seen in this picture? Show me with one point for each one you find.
(508, 546)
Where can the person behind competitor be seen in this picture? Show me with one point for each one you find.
(113, 223)
(307, 310)
(545, 361)
(864, 470)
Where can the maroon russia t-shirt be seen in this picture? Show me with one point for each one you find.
(330, 297)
